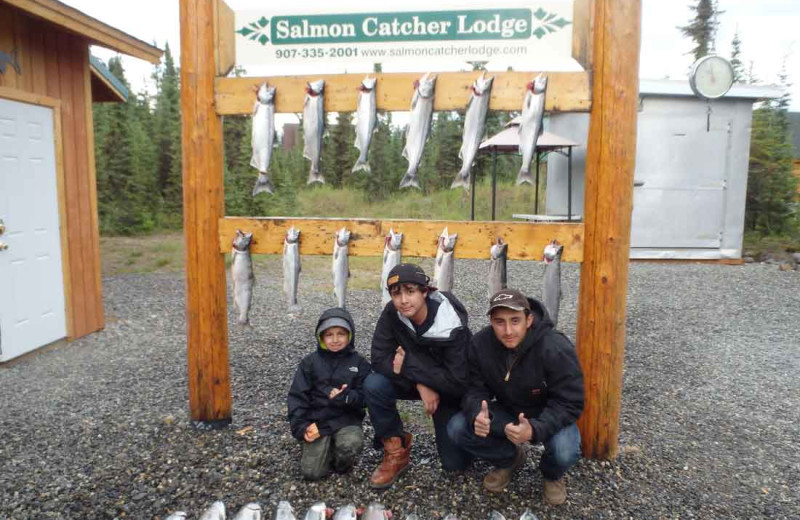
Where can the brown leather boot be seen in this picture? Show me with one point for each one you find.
(555, 491)
(396, 451)
(497, 479)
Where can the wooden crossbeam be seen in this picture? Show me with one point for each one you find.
(566, 91)
(526, 241)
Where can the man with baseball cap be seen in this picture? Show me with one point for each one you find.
(525, 385)
(419, 352)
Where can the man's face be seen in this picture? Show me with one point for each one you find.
(409, 300)
(510, 326)
(335, 338)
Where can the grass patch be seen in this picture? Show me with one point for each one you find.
(764, 247)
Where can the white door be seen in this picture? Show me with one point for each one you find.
(32, 312)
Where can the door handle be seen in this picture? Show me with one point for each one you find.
(2, 226)
(3, 246)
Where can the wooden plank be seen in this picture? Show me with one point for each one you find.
(203, 205)
(22, 44)
(7, 44)
(62, 217)
(611, 152)
(38, 70)
(99, 33)
(566, 91)
(526, 241)
(92, 232)
(51, 51)
(582, 18)
(28, 97)
(71, 187)
(224, 38)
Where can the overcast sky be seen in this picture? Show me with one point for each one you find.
(768, 30)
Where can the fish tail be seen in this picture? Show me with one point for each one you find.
(263, 183)
(524, 176)
(315, 176)
(409, 180)
(361, 166)
(462, 180)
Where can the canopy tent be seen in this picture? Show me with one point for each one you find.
(507, 141)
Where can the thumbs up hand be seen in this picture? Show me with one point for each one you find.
(521, 432)
(482, 421)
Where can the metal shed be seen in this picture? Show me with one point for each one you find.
(691, 170)
(49, 240)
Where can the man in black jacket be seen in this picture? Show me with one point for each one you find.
(525, 386)
(418, 352)
(326, 399)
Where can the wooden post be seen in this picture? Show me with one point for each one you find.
(203, 205)
(611, 153)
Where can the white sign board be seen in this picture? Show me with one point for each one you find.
(519, 32)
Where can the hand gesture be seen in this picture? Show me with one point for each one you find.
(430, 398)
(481, 424)
(312, 433)
(397, 363)
(337, 391)
(519, 433)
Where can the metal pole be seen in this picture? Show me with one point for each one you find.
(494, 180)
(569, 184)
(472, 189)
(536, 202)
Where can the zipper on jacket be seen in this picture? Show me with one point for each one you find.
(514, 357)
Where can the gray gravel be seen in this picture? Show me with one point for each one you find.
(710, 424)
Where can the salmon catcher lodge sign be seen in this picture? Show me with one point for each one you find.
(501, 32)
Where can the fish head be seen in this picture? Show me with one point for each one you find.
(318, 511)
(376, 511)
(292, 235)
(315, 88)
(284, 511)
(266, 94)
(528, 515)
(426, 84)
(482, 84)
(394, 240)
(495, 515)
(251, 511)
(178, 515)
(215, 512)
(367, 84)
(539, 84)
(241, 242)
(347, 512)
(552, 252)
(343, 237)
(499, 248)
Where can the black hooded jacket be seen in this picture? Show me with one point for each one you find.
(437, 358)
(545, 381)
(318, 374)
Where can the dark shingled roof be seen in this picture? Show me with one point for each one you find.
(102, 69)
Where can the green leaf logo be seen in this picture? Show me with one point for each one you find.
(256, 31)
(548, 23)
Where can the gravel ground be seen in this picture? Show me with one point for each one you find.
(710, 424)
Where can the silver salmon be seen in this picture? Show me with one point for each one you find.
(495, 515)
(347, 512)
(263, 137)
(341, 266)
(551, 286)
(317, 512)
(528, 515)
(392, 255)
(291, 267)
(376, 511)
(178, 515)
(474, 128)
(313, 128)
(284, 511)
(242, 276)
(444, 264)
(531, 126)
(419, 127)
(498, 278)
(251, 511)
(215, 512)
(366, 121)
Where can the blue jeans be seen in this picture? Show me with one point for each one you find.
(561, 450)
(382, 395)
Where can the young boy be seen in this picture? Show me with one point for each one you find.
(326, 399)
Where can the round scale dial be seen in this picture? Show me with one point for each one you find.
(711, 77)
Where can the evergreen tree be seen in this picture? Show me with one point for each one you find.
(736, 59)
(166, 137)
(702, 29)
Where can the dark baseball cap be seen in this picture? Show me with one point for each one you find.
(408, 273)
(510, 299)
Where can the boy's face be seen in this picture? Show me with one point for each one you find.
(510, 326)
(409, 300)
(335, 338)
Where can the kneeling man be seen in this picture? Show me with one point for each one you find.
(525, 385)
